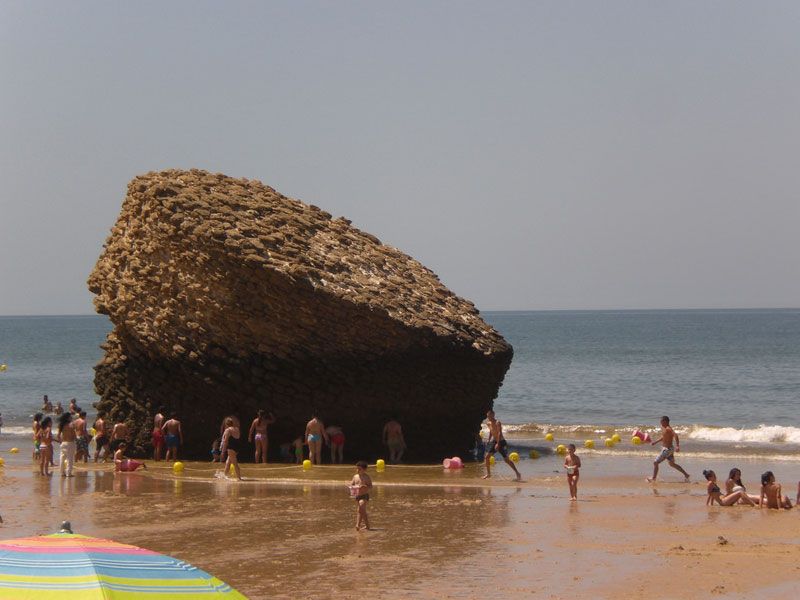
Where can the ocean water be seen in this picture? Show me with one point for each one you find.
(728, 378)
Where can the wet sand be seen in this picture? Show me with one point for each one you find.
(287, 534)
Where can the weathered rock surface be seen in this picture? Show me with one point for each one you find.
(227, 296)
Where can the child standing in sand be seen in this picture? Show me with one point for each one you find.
(360, 486)
(572, 463)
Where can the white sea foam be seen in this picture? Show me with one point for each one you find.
(14, 430)
(762, 434)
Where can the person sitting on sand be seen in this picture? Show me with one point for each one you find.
(771, 496)
(315, 434)
(258, 434)
(336, 436)
(360, 486)
(394, 440)
(734, 484)
(572, 463)
(715, 494)
(497, 443)
(124, 464)
(231, 446)
(670, 444)
(173, 434)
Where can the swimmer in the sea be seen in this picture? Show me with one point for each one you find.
(670, 444)
(572, 463)
(771, 493)
(497, 443)
(173, 434)
(361, 484)
(258, 434)
(315, 434)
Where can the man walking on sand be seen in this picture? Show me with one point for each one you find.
(670, 444)
(497, 443)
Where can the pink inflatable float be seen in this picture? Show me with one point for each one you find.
(453, 463)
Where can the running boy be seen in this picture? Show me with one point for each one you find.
(572, 463)
(497, 443)
(361, 484)
(670, 444)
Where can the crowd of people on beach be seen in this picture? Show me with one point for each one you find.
(112, 440)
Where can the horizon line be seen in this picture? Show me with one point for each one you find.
(502, 310)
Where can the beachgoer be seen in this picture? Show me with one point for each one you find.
(232, 445)
(58, 410)
(101, 437)
(124, 464)
(82, 437)
(120, 432)
(360, 486)
(715, 494)
(315, 434)
(45, 437)
(73, 406)
(215, 453)
(734, 484)
(174, 436)
(37, 423)
(258, 433)
(771, 496)
(1, 423)
(47, 406)
(497, 443)
(572, 463)
(67, 437)
(297, 445)
(336, 436)
(158, 436)
(480, 447)
(394, 440)
(670, 445)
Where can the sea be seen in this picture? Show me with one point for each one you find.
(729, 379)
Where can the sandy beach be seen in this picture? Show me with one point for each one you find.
(284, 533)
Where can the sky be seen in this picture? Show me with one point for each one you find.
(536, 155)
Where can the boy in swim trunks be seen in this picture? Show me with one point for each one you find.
(297, 448)
(362, 484)
(572, 463)
(668, 450)
(497, 443)
(315, 433)
(100, 437)
(174, 436)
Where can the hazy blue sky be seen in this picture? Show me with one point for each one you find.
(534, 154)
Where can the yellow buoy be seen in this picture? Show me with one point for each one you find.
(92, 431)
(3, 368)
(588, 444)
(380, 465)
(2, 461)
(14, 450)
(514, 457)
(561, 449)
(636, 440)
(492, 460)
(177, 467)
(306, 465)
(533, 454)
(609, 443)
(232, 470)
(616, 438)
(548, 437)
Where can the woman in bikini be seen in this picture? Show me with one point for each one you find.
(734, 484)
(45, 439)
(232, 445)
(771, 493)
(715, 494)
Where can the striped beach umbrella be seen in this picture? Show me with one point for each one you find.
(65, 566)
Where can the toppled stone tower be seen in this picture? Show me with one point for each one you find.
(227, 297)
